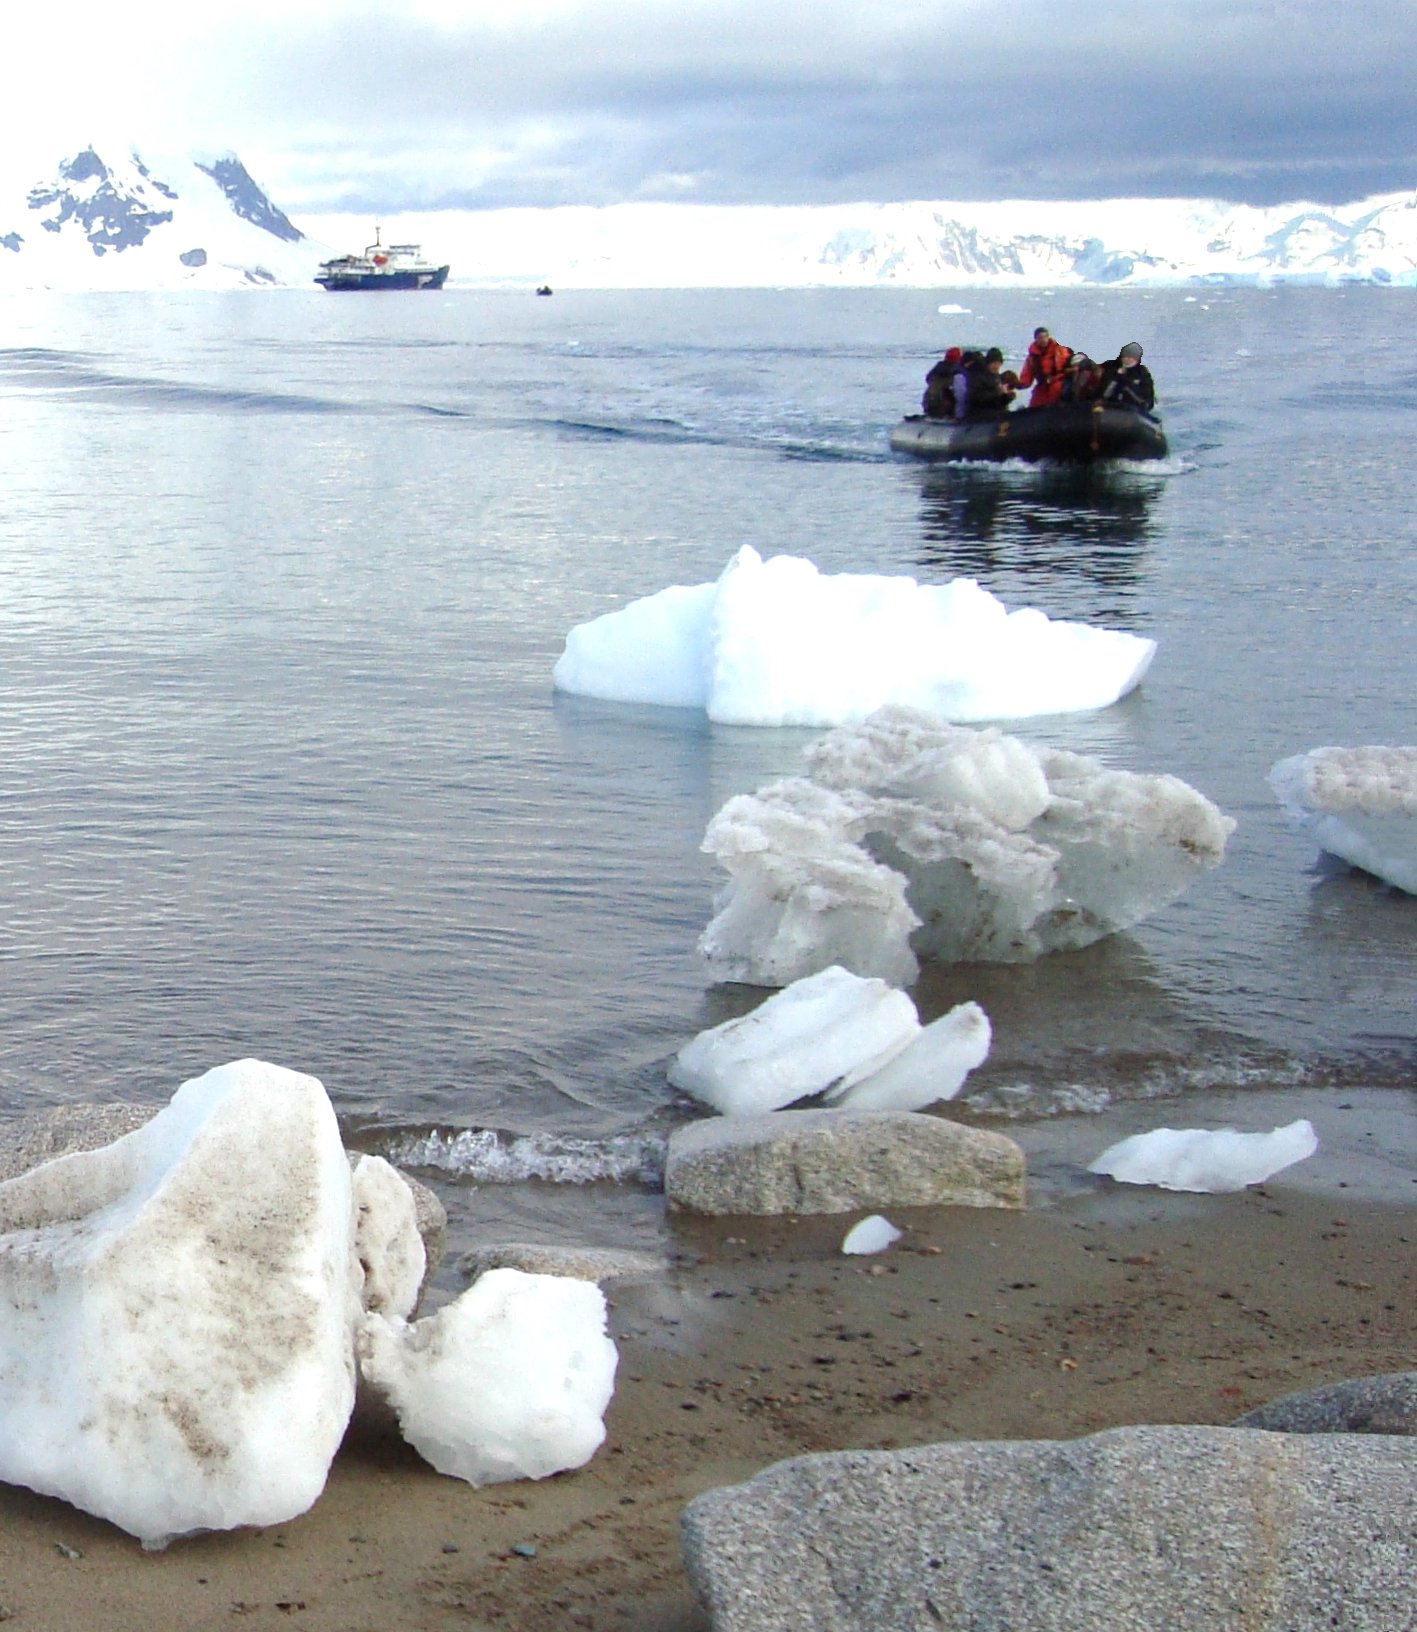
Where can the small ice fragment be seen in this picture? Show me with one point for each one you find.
(872, 1234)
(1206, 1161)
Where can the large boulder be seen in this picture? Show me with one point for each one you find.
(177, 1311)
(1211, 1529)
(1360, 1405)
(838, 1161)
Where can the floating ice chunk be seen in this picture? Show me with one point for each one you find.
(177, 1311)
(1195, 1159)
(872, 1234)
(510, 1381)
(832, 1027)
(918, 839)
(801, 879)
(779, 643)
(1360, 804)
(933, 1067)
(654, 650)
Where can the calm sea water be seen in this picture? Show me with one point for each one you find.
(283, 578)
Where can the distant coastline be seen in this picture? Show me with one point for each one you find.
(1109, 243)
(111, 220)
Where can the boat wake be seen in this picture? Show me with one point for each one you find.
(826, 449)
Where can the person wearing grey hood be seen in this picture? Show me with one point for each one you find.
(1127, 381)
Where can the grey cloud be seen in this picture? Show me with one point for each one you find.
(761, 101)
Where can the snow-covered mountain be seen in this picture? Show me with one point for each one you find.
(109, 219)
(1126, 242)
(112, 220)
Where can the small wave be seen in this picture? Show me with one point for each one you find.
(1017, 1101)
(487, 1157)
(678, 434)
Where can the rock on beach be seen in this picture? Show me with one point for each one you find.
(1211, 1529)
(1358, 1405)
(838, 1161)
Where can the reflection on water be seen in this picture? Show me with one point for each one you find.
(1086, 531)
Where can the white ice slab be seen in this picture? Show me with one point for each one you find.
(833, 1027)
(1204, 1160)
(778, 643)
(932, 1068)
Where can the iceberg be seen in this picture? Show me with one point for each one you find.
(1360, 804)
(911, 838)
(778, 643)
(1208, 1161)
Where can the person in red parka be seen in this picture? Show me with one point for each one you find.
(1044, 369)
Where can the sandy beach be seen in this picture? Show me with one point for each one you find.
(1094, 1308)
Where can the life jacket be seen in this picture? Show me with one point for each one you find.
(1043, 369)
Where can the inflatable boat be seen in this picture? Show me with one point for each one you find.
(1079, 432)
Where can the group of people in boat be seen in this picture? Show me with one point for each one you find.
(976, 385)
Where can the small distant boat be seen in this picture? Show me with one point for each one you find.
(382, 266)
(1079, 432)
(545, 289)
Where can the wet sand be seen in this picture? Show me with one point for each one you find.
(1095, 1308)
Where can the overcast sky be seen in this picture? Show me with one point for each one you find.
(393, 105)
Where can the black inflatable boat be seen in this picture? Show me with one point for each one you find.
(1079, 432)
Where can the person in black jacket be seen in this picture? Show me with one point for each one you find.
(991, 387)
(1127, 382)
(939, 399)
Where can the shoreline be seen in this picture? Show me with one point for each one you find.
(1097, 1307)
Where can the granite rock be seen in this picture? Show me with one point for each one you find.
(1134, 1530)
(837, 1161)
(1361, 1405)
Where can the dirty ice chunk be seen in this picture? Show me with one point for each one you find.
(177, 1311)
